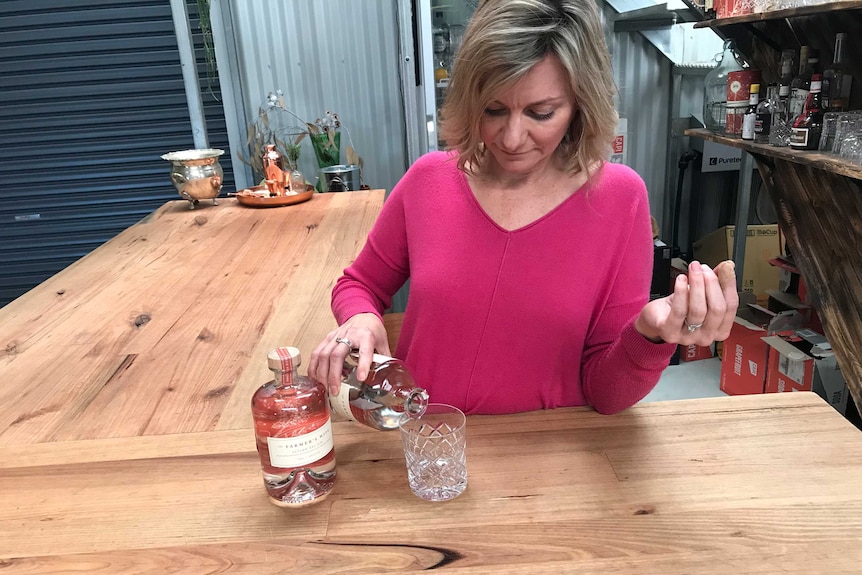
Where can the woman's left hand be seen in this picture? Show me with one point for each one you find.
(700, 310)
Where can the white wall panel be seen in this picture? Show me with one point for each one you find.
(338, 55)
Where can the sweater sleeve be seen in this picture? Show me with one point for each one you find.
(620, 366)
(382, 266)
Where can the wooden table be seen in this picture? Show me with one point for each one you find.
(756, 484)
(165, 328)
(126, 442)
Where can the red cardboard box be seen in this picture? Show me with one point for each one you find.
(744, 356)
(792, 368)
(694, 352)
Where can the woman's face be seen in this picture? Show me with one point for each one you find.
(523, 125)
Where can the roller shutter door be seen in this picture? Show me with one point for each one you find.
(92, 95)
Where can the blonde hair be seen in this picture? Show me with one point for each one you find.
(503, 41)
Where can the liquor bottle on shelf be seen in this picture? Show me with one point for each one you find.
(748, 119)
(835, 90)
(766, 108)
(786, 78)
(709, 10)
(800, 86)
(809, 125)
(779, 131)
(293, 432)
(388, 394)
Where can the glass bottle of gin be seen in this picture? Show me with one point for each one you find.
(801, 84)
(388, 394)
(750, 116)
(835, 86)
(766, 109)
(293, 431)
(809, 125)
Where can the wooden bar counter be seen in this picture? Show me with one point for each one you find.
(126, 443)
(165, 328)
(755, 484)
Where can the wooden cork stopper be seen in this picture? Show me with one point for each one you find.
(283, 358)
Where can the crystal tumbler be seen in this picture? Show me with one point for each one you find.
(435, 451)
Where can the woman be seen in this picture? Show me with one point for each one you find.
(529, 256)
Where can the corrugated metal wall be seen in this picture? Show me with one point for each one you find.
(341, 55)
(652, 95)
(338, 55)
(92, 95)
(643, 77)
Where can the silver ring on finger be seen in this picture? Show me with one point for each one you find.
(693, 327)
(345, 341)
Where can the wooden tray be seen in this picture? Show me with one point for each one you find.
(253, 201)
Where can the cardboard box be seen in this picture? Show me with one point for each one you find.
(694, 352)
(745, 354)
(762, 243)
(802, 360)
(788, 368)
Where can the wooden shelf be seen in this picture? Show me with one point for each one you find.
(817, 196)
(780, 14)
(819, 160)
(761, 37)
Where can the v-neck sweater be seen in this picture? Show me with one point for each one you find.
(503, 321)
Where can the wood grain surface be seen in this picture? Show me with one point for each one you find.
(748, 484)
(165, 328)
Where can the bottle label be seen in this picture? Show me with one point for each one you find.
(748, 127)
(287, 452)
(797, 101)
(799, 138)
(763, 124)
(340, 403)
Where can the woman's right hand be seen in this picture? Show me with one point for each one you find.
(364, 331)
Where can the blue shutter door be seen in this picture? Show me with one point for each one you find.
(92, 95)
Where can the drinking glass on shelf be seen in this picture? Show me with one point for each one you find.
(827, 135)
(851, 147)
(847, 134)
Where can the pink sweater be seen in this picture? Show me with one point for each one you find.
(504, 321)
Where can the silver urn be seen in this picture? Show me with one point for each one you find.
(196, 174)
